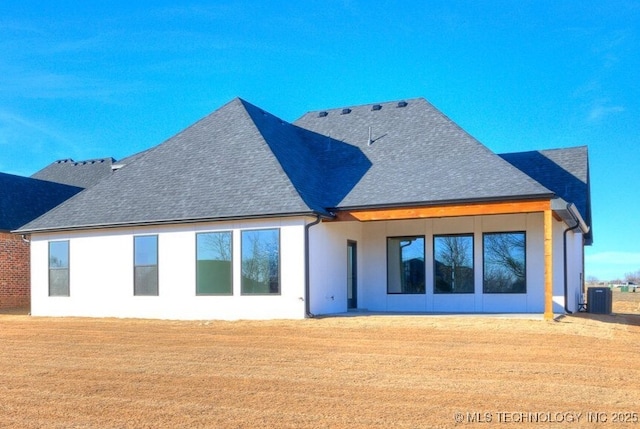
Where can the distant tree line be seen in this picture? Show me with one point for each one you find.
(633, 277)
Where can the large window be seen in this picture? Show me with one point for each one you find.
(405, 265)
(453, 263)
(260, 261)
(213, 263)
(58, 268)
(505, 262)
(145, 265)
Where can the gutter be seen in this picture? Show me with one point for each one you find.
(307, 281)
(579, 223)
(158, 222)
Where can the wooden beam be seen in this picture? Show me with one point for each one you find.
(548, 265)
(449, 210)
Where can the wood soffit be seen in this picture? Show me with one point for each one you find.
(446, 210)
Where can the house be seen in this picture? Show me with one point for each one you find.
(386, 207)
(22, 199)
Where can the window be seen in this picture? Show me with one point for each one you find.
(260, 261)
(145, 282)
(505, 262)
(213, 264)
(453, 263)
(405, 265)
(58, 268)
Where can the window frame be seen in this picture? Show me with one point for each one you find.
(484, 263)
(67, 268)
(231, 246)
(424, 263)
(242, 261)
(157, 264)
(473, 264)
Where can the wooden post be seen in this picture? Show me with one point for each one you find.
(548, 265)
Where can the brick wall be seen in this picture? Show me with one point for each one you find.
(14, 271)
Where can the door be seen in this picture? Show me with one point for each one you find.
(352, 275)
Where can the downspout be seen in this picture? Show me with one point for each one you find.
(564, 243)
(307, 281)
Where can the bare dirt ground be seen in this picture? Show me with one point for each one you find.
(355, 372)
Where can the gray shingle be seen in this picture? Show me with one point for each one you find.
(83, 174)
(219, 167)
(418, 155)
(564, 171)
(23, 199)
(241, 161)
(321, 169)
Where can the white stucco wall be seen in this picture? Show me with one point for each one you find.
(328, 273)
(328, 265)
(575, 270)
(101, 270)
(101, 275)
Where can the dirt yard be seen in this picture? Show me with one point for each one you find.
(354, 372)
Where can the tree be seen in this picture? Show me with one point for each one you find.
(505, 251)
(454, 268)
(504, 264)
(219, 245)
(633, 277)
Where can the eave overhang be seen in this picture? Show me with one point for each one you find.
(444, 210)
(568, 213)
(323, 216)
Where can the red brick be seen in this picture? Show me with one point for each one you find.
(14, 271)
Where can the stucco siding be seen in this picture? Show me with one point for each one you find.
(372, 273)
(328, 265)
(101, 275)
(575, 270)
(101, 270)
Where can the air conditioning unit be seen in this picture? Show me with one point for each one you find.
(599, 300)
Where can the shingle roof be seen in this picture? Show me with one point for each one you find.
(229, 164)
(23, 199)
(321, 169)
(84, 174)
(418, 155)
(564, 171)
(241, 161)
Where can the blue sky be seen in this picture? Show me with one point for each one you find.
(94, 79)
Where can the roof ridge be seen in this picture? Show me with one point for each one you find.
(302, 188)
(358, 106)
(548, 150)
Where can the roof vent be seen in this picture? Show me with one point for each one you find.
(402, 104)
(322, 114)
(376, 107)
(346, 111)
